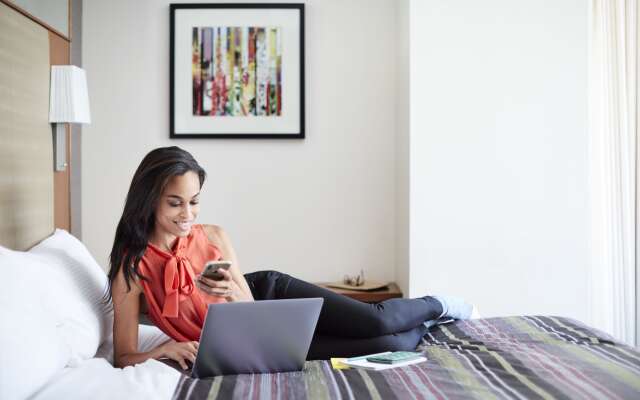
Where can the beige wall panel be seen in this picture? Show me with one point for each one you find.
(26, 155)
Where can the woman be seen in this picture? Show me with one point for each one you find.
(159, 253)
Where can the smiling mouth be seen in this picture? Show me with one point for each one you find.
(183, 225)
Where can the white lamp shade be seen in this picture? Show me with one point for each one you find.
(69, 100)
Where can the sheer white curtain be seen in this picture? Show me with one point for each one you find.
(613, 30)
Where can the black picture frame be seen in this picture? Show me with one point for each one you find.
(176, 132)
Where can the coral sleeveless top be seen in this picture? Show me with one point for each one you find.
(176, 305)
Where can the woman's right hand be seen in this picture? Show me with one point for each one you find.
(180, 352)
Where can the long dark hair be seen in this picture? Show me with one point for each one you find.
(138, 217)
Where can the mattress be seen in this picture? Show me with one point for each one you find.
(528, 357)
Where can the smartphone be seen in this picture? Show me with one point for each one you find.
(211, 269)
(395, 357)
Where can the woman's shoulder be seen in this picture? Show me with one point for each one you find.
(214, 233)
(127, 283)
(215, 238)
(211, 229)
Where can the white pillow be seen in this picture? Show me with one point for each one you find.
(149, 337)
(31, 350)
(96, 379)
(75, 288)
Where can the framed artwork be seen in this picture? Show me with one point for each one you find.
(237, 71)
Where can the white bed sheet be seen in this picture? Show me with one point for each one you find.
(96, 379)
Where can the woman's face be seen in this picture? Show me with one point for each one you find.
(178, 205)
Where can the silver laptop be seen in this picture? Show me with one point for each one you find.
(256, 337)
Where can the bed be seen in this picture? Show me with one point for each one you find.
(525, 357)
(56, 342)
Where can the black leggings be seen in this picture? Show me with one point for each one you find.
(348, 327)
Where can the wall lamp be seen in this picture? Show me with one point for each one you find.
(68, 103)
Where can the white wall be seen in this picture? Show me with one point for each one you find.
(317, 208)
(403, 83)
(446, 139)
(498, 154)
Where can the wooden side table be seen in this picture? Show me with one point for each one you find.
(374, 296)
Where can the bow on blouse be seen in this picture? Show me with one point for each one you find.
(178, 284)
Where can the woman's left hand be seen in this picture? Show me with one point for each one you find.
(226, 287)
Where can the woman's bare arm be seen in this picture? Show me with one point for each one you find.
(218, 237)
(126, 308)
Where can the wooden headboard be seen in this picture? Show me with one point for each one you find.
(28, 198)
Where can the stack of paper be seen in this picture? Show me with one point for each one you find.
(338, 363)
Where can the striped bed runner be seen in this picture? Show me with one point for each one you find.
(531, 357)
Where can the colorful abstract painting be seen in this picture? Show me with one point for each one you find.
(237, 71)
